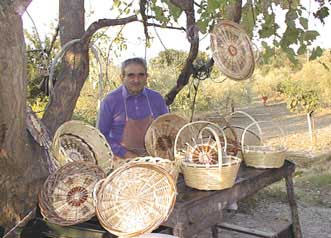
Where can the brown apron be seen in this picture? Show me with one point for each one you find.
(133, 138)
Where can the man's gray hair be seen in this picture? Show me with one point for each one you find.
(135, 60)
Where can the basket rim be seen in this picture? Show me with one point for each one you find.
(234, 160)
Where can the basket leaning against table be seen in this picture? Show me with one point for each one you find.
(264, 155)
(204, 163)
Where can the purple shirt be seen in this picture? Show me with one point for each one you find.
(112, 116)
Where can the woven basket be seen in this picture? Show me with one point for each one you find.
(66, 196)
(209, 173)
(263, 156)
(161, 134)
(170, 166)
(135, 199)
(232, 50)
(76, 140)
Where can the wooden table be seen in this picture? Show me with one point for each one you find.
(197, 210)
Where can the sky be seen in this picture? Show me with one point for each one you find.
(44, 13)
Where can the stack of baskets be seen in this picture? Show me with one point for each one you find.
(204, 163)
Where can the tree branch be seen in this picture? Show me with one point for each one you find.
(103, 23)
(20, 6)
(168, 27)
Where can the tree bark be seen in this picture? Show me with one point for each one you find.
(21, 172)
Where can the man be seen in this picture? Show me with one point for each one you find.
(126, 112)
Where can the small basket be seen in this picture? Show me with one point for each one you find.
(66, 196)
(210, 173)
(161, 134)
(263, 156)
(76, 140)
(135, 199)
(170, 166)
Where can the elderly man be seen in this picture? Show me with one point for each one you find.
(126, 112)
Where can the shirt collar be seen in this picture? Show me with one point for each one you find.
(126, 94)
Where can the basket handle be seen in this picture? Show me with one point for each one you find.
(197, 122)
(218, 143)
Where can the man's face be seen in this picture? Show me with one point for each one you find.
(134, 78)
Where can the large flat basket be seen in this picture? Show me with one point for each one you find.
(135, 199)
(66, 196)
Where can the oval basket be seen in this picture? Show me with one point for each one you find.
(161, 134)
(232, 50)
(263, 156)
(66, 196)
(76, 140)
(206, 172)
(135, 199)
(170, 166)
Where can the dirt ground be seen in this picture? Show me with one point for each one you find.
(312, 180)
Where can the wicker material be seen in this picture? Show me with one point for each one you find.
(170, 166)
(66, 196)
(263, 156)
(232, 50)
(161, 134)
(135, 199)
(156, 235)
(83, 142)
(200, 167)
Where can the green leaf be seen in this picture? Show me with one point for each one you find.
(302, 49)
(304, 22)
(317, 52)
(322, 13)
(117, 3)
(310, 35)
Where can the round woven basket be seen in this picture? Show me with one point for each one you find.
(135, 199)
(76, 140)
(204, 163)
(169, 165)
(232, 50)
(161, 134)
(66, 196)
(263, 156)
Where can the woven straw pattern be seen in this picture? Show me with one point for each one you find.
(263, 156)
(135, 199)
(66, 196)
(170, 166)
(86, 143)
(206, 172)
(161, 134)
(232, 50)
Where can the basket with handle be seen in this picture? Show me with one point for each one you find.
(135, 199)
(160, 135)
(76, 140)
(66, 196)
(204, 163)
(169, 165)
(264, 155)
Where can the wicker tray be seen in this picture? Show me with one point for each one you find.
(135, 199)
(76, 140)
(66, 196)
(232, 50)
(263, 155)
(161, 134)
(211, 169)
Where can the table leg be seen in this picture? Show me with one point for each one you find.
(293, 206)
(214, 231)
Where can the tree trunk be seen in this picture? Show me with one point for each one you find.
(21, 172)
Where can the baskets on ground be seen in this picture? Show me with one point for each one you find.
(232, 50)
(203, 162)
(263, 155)
(161, 134)
(76, 140)
(169, 165)
(135, 199)
(66, 196)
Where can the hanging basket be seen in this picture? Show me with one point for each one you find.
(135, 199)
(204, 163)
(232, 50)
(76, 140)
(161, 134)
(66, 196)
(169, 165)
(264, 156)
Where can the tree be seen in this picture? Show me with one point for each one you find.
(22, 163)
